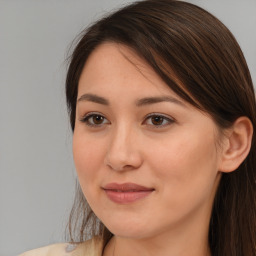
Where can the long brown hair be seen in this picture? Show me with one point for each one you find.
(179, 39)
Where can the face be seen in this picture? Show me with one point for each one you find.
(142, 154)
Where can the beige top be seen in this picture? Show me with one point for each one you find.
(91, 247)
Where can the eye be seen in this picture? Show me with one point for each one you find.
(158, 120)
(94, 120)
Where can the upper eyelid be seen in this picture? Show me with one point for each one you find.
(91, 114)
(159, 114)
(148, 115)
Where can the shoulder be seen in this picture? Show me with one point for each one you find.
(92, 247)
(53, 249)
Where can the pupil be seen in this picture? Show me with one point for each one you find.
(97, 119)
(157, 120)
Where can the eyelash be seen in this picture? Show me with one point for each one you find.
(165, 119)
(87, 117)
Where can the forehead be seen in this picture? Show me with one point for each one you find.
(113, 65)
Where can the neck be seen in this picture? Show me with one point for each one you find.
(150, 247)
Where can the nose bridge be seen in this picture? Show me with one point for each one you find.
(123, 153)
(122, 136)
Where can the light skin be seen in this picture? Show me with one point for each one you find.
(131, 127)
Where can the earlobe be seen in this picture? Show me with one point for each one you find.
(237, 146)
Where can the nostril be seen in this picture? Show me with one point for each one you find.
(121, 167)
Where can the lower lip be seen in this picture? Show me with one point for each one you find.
(127, 197)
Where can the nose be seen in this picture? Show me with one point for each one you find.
(123, 152)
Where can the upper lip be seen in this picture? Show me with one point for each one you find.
(126, 187)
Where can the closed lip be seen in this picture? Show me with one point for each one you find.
(126, 187)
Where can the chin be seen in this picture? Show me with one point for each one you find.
(130, 229)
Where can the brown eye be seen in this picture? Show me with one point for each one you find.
(94, 120)
(158, 120)
(97, 119)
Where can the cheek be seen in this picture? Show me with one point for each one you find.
(185, 167)
(88, 159)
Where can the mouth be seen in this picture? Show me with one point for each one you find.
(127, 192)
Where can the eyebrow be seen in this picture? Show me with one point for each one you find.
(138, 103)
(93, 98)
(153, 100)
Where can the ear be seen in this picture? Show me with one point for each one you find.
(237, 144)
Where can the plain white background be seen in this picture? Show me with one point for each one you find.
(37, 175)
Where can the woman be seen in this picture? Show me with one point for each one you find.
(162, 107)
